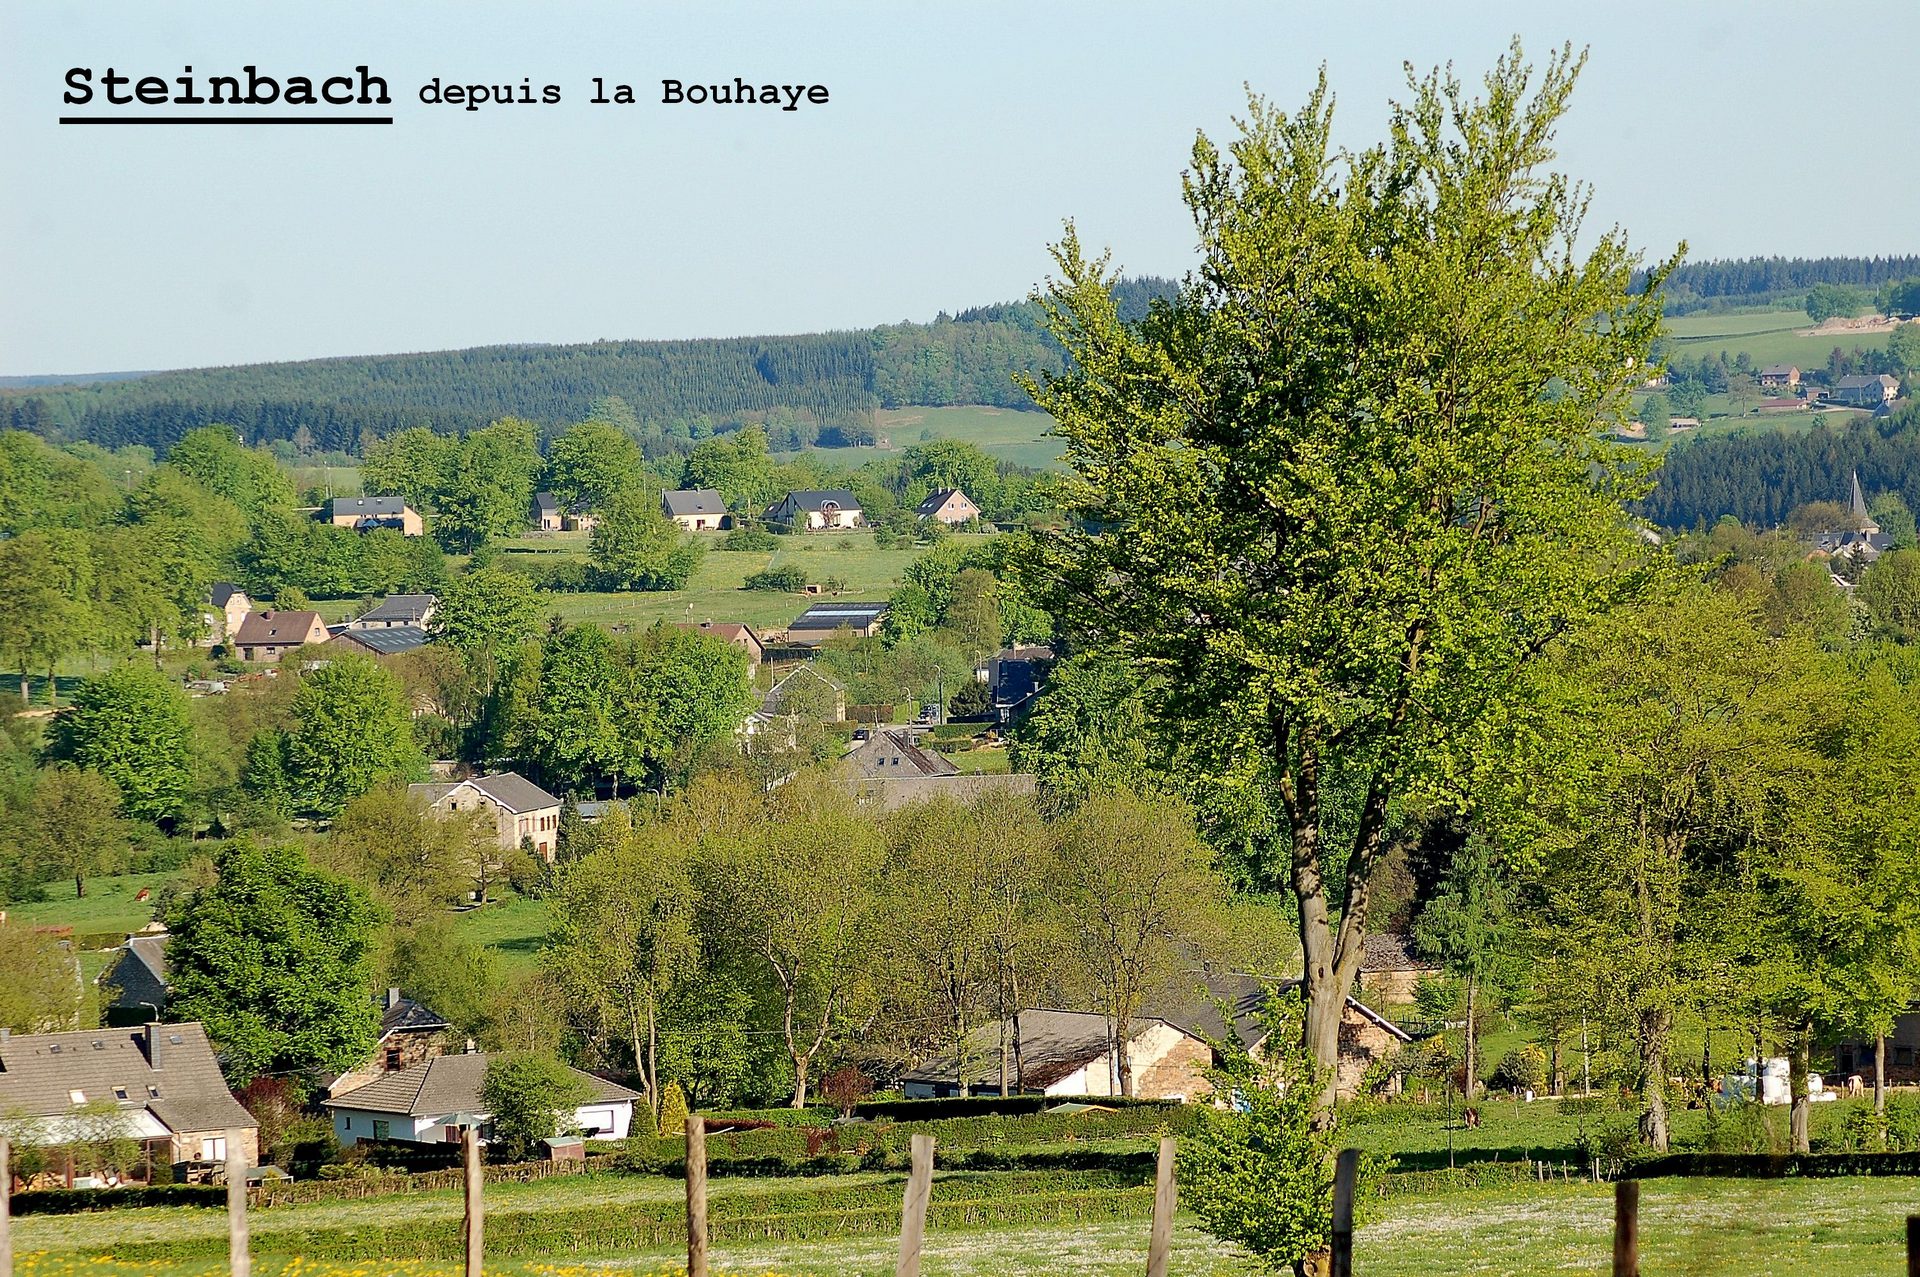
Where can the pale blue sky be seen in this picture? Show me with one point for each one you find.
(957, 139)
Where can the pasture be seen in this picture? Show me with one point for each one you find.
(1003, 433)
(1767, 336)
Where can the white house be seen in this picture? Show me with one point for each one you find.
(1070, 1053)
(433, 1101)
(821, 510)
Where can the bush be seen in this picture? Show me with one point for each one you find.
(673, 1110)
(1524, 1068)
(748, 539)
(789, 579)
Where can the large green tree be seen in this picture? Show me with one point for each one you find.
(132, 725)
(591, 462)
(1351, 480)
(352, 730)
(275, 958)
(73, 827)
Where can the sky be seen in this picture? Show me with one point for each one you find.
(956, 140)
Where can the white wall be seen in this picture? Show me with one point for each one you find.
(612, 1118)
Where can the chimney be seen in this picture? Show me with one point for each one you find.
(151, 1033)
(393, 997)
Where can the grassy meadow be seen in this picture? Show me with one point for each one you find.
(1769, 336)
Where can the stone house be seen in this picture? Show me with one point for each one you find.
(1071, 1053)
(520, 808)
(1864, 392)
(134, 986)
(162, 1081)
(409, 1034)
(268, 636)
(1390, 970)
(368, 514)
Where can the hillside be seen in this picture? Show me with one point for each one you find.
(805, 389)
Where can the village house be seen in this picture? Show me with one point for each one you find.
(1863, 541)
(695, 509)
(268, 636)
(1864, 392)
(890, 770)
(948, 505)
(892, 752)
(820, 510)
(230, 607)
(1390, 971)
(134, 987)
(819, 623)
(386, 642)
(409, 1034)
(396, 611)
(1070, 1054)
(1366, 1036)
(368, 514)
(1779, 376)
(740, 636)
(806, 692)
(548, 516)
(1013, 676)
(520, 808)
(435, 1100)
(162, 1079)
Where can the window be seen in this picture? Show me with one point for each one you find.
(380, 1129)
(78, 1097)
(214, 1148)
(393, 1057)
(153, 1092)
(119, 1092)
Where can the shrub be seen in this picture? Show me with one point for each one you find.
(673, 1110)
(529, 1096)
(787, 579)
(748, 539)
(1524, 1068)
(845, 1087)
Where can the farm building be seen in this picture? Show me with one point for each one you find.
(383, 642)
(817, 624)
(434, 1101)
(741, 636)
(1864, 392)
(369, 514)
(1779, 376)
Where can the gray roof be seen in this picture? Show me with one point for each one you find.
(446, 1084)
(815, 499)
(390, 641)
(224, 590)
(40, 1071)
(139, 974)
(546, 502)
(401, 607)
(1386, 951)
(1196, 1006)
(510, 789)
(897, 754)
(831, 616)
(369, 507)
(1778, 370)
(404, 1015)
(693, 501)
(1878, 381)
(939, 497)
(1054, 1045)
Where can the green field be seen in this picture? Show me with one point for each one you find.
(514, 928)
(1703, 1228)
(714, 593)
(109, 904)
(1767, 336)
(1020, 437)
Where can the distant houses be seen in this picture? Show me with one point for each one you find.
(1863, 540)
(1013, 677)
(520, 808)
(695, 509)
(548, 516)
(230, 607)
(163, 1079)
(269, 636)
(815, 510)
(949, 506)
(821, 621)
(368, 514)
(1779, 377)
(891, 769)
(436, 1100)
(739, 636)
(393, 641)
(1864, 392)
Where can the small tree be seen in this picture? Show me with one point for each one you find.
(1259, 1170)
(531, 1098)
(845, 1087)
(673, 1110)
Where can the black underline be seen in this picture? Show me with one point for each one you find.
(226, 119)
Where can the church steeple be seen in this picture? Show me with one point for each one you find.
(1857, 506)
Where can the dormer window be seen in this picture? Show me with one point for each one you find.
(153, 1092)
(78, 1097)
(119, 1092)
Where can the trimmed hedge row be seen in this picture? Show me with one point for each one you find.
(1772, 1166)
(667, 1158)
(75, 1201)
(963, 1201)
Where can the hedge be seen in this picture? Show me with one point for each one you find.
(1772, 1166)
(74, 1201)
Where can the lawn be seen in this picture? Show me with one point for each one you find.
(715, 593)
(514, 928)
(109, 904)
(1704, 1228)
(1004, 433)
(1767, 336)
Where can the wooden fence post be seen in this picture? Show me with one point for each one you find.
(239, 1257)
(471, 1181)
(6, 1208)
(913, 1212)
(1913, 1246)
(1626, 1228)
(1160, 1244)
(696, 1195)
(1345, 1169)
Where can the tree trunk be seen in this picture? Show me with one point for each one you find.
(53, 687)
(1880, 1073)
(26, 691)
(1005, 1052)
(653, 1055)
(1799, 1119)
(1556, 1073)
(1019, 1063)
(79, 887)
(1706, 1064)
(1325, 1006)
(1123, 1056)
(1654, 1027)
(800, 1063)
(1472, 1077)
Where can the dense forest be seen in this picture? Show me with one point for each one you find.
(806, 389)
(1760, 478)
(1752, 281)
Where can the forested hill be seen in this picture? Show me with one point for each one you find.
(1757, 281)
(816, 387)
(1760, 479)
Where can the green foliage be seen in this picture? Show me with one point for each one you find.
(1828, 301)
(131, 725)
(72, 827)
(1891, 592)
(275, 958)
(1088, 730)
(593, 463)
(529, 1097)
(738, 467)
(1524, 1068)
(673, 1110)
(40, 993)
(490, 609)
(636, 547)
(251, 479)
(749, 538)
(352, 730)
(785, 579)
